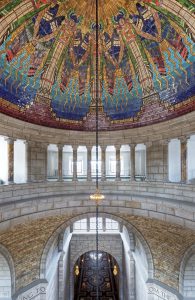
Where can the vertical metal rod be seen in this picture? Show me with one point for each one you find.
(97, 101)
(97, 88)
(97, 258)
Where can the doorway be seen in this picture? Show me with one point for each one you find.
(85, 285)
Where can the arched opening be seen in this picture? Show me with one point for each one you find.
(85, 283)
(116, 237)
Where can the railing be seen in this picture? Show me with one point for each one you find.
(165, 201)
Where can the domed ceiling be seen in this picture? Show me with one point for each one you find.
(146, 62)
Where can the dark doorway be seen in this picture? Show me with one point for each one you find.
(85, 287)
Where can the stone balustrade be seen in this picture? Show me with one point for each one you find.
(164, 201)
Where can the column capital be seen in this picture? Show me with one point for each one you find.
(184, 139)
(103, 147)
(89, 147)
(44, 144)
(10, 140)
(164, 142)
(132, 145)
(117, 147)
(74, 147)
(60, 146)
(148, 144)
(29, 143)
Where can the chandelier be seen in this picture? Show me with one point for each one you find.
(97, 196)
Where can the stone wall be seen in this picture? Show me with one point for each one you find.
(189, 279)
(5, 279)
(36, 161)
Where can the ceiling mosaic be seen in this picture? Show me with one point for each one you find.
(146, 62)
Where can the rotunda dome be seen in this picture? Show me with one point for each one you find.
(48, 62)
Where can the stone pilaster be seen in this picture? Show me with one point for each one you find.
(183, 142)
(132, 278)
(118, 162)
(88, 163)
(36, 161)
(132, 146)
(74, 163)
(10, 148)
(103, 163)
(60, 162)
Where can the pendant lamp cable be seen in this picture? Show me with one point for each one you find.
(97, 84)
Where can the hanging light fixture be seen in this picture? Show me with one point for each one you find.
(97, 196)
(115, 270)
(76, 270)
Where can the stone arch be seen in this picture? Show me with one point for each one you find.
(5, 253)
(131, 230)
(187, 255)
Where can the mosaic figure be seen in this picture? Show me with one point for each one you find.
(110, 67)
(45, 25)
(66, 34)
(125, 29)
(77, 58)
(154, 27)
(118, 52)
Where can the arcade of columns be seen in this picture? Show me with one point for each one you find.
(164, 144)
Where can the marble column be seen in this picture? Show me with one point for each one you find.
(10, 148)
(104, 224)
(132, 146)
(165, 145)
(88, 224)
(74, 163)
(184, 141)
(42, 148)
(60, 162)
(149, 159)
(89, 163)
(103, 163)
(118, 162)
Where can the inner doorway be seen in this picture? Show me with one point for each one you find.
(85, 287)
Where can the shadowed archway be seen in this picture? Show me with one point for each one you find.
(85, 277)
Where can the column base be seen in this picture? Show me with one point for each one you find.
(10, 182)
(60, 180)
